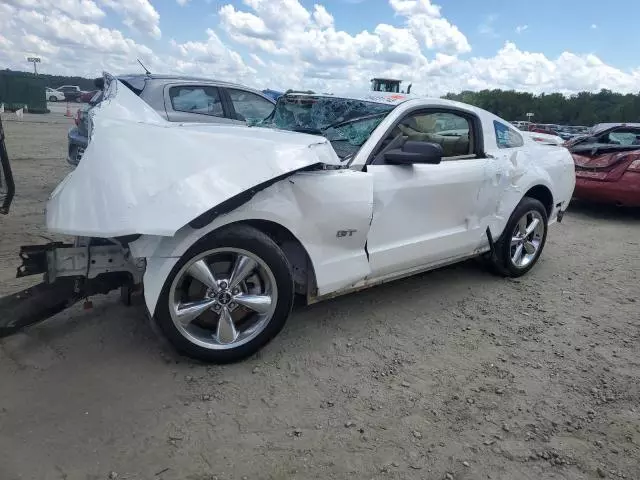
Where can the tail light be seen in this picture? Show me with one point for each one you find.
(634, 166)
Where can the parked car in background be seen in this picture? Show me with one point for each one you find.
(272, 93)
(607, 164)
(86, 97)
(53, 95)
(71, 92)
(181, 99)
(545, 138)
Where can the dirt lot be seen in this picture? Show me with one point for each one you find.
(453, 374)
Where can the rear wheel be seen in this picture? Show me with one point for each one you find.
(523, 239)
(228, 296)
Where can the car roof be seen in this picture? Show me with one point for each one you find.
(179, 78)
(366, 96)
(138, 81)
(395, 99)
(603, 127)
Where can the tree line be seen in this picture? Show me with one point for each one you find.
(584, 108)
(55, 81)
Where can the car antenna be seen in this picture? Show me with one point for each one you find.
(145, 68)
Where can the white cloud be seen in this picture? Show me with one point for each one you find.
(594, 26)
(521, 28)
(427, 25)
(322, 18)
(182, 3)
(257, 59)
(286, 45)
(203, 58)
(138, 15)
(78, 9)
(487, 28)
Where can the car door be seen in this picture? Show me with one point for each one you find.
(248, 107)
(427, 213)
(188, 102)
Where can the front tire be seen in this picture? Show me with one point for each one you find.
(227, 297)
(523, 240)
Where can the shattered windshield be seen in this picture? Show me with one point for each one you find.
(346, 122)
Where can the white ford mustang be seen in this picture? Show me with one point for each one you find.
(224, 225)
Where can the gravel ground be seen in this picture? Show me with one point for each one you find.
(454, 374)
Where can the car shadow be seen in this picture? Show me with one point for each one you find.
(599, 211)
(110, 326)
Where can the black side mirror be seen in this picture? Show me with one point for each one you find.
(415, 152)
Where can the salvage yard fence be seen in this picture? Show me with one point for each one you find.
(18, 89)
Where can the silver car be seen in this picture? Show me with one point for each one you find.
(181, 99)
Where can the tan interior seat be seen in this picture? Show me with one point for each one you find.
(451, 145)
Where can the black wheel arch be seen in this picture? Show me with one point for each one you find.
(543, 195)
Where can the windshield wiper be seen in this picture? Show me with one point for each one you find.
(353, 120)
(313, 131)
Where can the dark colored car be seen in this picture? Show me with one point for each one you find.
(87, 96)
(608, 164)
(181, 99)
(71, 92)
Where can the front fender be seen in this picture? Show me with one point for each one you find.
(313, 206)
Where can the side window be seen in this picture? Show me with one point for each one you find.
(450, 130)
(624, 136)
(507, 137)
(196, 99)
(250, 106)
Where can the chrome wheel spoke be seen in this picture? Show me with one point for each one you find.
(529, 247)
(188, 312)
(201, 272)
(241, 270)
(532, 226)
(515, 241)
(226, 332)
(517, 256)
(238, 304)
(257, 303)
(522, 225)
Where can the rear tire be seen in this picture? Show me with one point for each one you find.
(523, 239)
(237, 318)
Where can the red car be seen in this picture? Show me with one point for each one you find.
(87, 96)
(608, 164)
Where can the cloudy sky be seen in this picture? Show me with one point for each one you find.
(337, 45)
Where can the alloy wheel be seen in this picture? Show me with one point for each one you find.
(223, 298)
(526, 239)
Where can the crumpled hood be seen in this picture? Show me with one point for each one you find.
(141, 174)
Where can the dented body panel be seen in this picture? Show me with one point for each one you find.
(141, 174)
(358, 223)
(313, 206)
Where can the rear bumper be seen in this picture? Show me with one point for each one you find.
(77, 143)
(624, 192)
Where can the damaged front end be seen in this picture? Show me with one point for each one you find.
(142, 176)
(71, 273)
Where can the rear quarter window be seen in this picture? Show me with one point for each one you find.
(507, 137)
